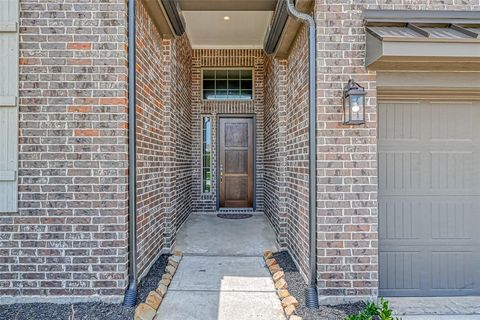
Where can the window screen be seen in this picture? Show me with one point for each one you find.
(220, 84)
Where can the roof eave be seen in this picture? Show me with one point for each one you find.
(421, 16)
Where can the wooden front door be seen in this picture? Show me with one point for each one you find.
(236, 162)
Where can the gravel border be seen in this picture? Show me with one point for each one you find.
(297, 286)
(87, 310)
(151, 280)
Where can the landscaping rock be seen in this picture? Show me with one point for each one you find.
(178, 253)
(173, 263)
(297, 286)
(283, 293)
(175, 258)
(290, 300)
(167, 276)
(153, 300)
(295, 317)
(278, 275)
(166, 282)
(270, 262)
(149, 282)
(268, 255)
(144, 312)
(170, 269)
(281, 284)
(162, 290)
(274, 269)
(289, 310)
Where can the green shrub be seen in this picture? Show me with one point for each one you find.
(374, 311)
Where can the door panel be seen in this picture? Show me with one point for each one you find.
(236, 162)
(429, 196)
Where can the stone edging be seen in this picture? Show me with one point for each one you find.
(148, 310)
(289, 303)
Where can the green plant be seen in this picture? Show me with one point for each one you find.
(374, 311)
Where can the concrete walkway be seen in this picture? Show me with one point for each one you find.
(210, 235)
(433, 308)
(222, 275)
(441, 317)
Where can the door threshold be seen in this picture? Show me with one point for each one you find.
(235, 209)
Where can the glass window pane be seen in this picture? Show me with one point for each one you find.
(221, 94)
(206, 154)
(221, 84)
(246, 94)
(208, 74)
(247, 74)
(221, 74)
(233, 74)
(234, 94)
(246, 85)
(209, 94)
(206, 187)
(206, 161)
(208, 84)
(233, 84)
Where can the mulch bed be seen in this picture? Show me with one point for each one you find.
(85, 311)
(297, 286)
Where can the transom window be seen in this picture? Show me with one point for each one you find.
(233, 84)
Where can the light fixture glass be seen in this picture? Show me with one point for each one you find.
(226, 18)
(354, 103)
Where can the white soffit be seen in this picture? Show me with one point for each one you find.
(243, 29)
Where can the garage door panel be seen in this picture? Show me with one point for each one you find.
(429, 195)
(403, 271)
(400, 122)
(427, 221)
(451, 120)
(399, 170)
(452, 270)
(451, 220)
(402, 219)
(450, 170)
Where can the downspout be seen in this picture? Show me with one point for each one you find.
(130, 299)
(311, 296)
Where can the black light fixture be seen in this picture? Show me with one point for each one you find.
(354, 103)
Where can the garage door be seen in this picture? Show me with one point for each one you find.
(429, 198)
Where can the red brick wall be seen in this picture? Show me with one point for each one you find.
(164, 162)
(275, 144)
(69, 235)
(286, 149)
(212, 58)
(296, 172)
(151, 148)
(347, 167)
(181, 128)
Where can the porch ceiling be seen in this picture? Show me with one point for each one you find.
(242, 29)
(227, 5)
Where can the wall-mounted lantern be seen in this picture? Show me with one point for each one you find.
(354, 103)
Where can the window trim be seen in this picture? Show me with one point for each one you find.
(202, 117)
(227, 68)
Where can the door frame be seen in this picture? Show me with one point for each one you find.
(217, 156)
